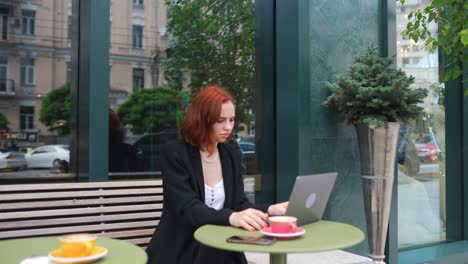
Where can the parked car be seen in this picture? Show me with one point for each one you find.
(48, 156)
(247, 146)
(148, 146)
(427, 148)
(249, 157)
(10, 159)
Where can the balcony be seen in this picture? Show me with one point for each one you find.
(9, 3)
(7, 87)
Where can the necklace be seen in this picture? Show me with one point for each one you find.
(213, 158)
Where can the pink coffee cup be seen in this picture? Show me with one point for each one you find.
(283, 224)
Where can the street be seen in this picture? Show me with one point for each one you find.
(33, 174)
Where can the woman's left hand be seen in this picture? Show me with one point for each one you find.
(278, 209)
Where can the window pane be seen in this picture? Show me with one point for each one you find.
(24, 27)
(170, 71)
(35, 69)
(27, 117)
(28, 26)
(138, 79)
(421, 146)
(27, 71)
(23, 75)
(3, 26)
(137, 36)
(30, 75)
(3, 75)
(32, 26)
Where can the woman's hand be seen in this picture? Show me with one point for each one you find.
(249, 219)
(278, 209)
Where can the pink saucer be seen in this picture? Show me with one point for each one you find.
(267, 231)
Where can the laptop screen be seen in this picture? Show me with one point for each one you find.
(309, 197)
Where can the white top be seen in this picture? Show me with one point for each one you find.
(214, 197)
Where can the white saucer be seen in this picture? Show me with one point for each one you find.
(36, 260)
(79, 259)
(267, 231)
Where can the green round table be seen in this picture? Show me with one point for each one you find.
(319, 236)
(13, 251)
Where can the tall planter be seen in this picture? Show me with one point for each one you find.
(377, 148)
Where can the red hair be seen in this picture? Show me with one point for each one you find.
(197, 127)
(115, 126)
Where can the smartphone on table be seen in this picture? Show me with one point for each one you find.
(251, 240)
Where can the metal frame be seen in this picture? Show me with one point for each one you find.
(265, 122)
(287, 85)
(90, 90)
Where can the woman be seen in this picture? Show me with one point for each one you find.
(203, 185)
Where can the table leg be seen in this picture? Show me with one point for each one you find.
(278, 258)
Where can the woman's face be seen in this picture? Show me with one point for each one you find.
(223, 127)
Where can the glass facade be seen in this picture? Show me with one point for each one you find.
(282, 128)
(153, 82)
(421, 146)
(34, 94)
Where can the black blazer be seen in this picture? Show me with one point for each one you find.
(184, 208)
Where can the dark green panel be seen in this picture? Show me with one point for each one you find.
(453, 178)
(337, 31)
(287, 81)
(92, 90)
(464, 139)
(265, 97)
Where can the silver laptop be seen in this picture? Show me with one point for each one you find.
(309, 197)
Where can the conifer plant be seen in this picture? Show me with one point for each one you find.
(373, 92)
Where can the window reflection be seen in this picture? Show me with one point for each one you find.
(421, 145)
(161, 54)
(34, 106)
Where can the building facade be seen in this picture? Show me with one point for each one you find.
(35, 57)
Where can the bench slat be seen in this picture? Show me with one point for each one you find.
(83, 185)
(131, 233)
(81, 202)
(76, 229)
(78, 220)
(96, 193)
(138, 241)
(127, 210)
(80, 211)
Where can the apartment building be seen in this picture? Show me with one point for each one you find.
(414, 57)
(35, 48)
(138, 46)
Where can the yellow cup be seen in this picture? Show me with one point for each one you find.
(77, 245)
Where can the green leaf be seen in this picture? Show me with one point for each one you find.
(438, 3)
(464, 37)
(431, 17)
(448, 75)
(448, 50)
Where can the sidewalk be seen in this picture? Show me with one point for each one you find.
(329, 257)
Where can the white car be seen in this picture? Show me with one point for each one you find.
(48, 156)
(13, 160)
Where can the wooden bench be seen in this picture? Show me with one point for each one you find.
(128, 210)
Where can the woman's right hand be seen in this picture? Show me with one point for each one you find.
(249, 219)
